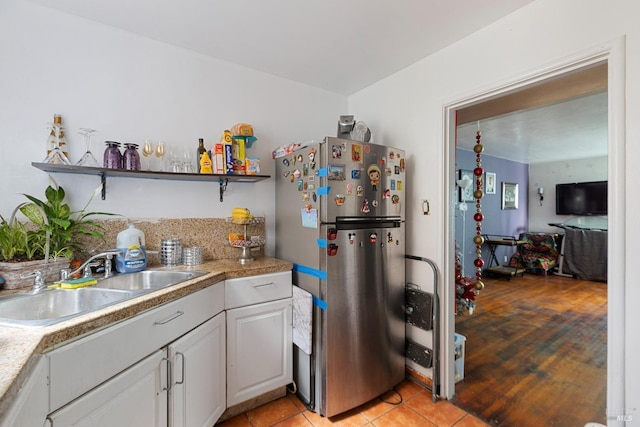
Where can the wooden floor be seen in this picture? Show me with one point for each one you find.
(536, 352)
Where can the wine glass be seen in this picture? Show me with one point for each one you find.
(56, 156)
(175, 165)
(87, 159)
(160, 151)
(187, 163)
(147, 151)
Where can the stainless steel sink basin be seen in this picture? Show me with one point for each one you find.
(51, 306)
(54, 305)
(148, 279)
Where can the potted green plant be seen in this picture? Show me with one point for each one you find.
(47, 241)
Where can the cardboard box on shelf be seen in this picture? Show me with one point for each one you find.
(239, 157)
(217, 155)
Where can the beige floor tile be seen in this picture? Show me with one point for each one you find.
(237, 421)
(374, 409)
(408, 389)
(272, 412)
(295, 421)
(348, 419)
(442, 413)
(401, 416)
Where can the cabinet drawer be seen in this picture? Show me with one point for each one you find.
(257, 289)
(80, 366)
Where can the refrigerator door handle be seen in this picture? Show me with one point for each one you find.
(367, 223)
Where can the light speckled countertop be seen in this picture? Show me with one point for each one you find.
(21, 347)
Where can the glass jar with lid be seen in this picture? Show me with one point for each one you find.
(112, 155)
(131, 158)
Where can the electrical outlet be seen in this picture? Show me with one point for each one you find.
(505, 258)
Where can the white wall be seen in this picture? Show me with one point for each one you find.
(406, 109)
(547, 175)
(130, 88)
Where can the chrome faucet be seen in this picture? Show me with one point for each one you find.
(86, 266)
(38, 281)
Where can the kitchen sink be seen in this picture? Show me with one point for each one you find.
(55, 305)
(147, 279)
(51, 306)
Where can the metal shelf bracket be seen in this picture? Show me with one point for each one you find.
(223, 188)
(103, 181)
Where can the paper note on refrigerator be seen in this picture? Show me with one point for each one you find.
(309, 217)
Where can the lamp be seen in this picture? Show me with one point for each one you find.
(541, 194)
(463, 183)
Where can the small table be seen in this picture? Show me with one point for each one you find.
(504, 270)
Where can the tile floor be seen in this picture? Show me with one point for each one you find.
(416, 409)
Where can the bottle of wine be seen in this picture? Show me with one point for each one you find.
(51, 141)
(201, 150)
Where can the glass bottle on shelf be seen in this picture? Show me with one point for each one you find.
(201, 150)
(56, 156)
(61, 140)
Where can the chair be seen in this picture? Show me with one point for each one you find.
(538, 254)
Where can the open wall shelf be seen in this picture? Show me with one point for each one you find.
(103, 173)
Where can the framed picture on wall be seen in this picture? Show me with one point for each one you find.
(465, 189)
(509, 195)
(490, 183)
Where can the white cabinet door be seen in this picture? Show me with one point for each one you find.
(135, 397)
(259, 349)
(31, 405)
(197, 395)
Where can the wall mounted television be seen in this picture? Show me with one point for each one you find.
(581, 198)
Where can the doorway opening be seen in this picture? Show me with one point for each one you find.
(612, 59)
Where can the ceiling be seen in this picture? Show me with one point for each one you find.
(560, 118)
(337, 45)
(344, 46)
(567, 130)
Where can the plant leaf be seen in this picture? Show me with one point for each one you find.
(31, 211)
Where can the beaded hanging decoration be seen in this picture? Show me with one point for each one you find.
(478, 216)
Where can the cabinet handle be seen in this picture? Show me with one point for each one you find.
(170, 318)
(168, 387)
(181, 356)
(264, 284)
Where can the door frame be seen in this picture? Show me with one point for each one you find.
(612, 53)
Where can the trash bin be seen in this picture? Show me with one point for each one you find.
(459, 357)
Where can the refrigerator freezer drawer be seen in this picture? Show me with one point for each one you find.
(257, 289)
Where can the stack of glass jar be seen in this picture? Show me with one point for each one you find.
(114, 159)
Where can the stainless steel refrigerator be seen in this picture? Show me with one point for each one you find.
(340, 220)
